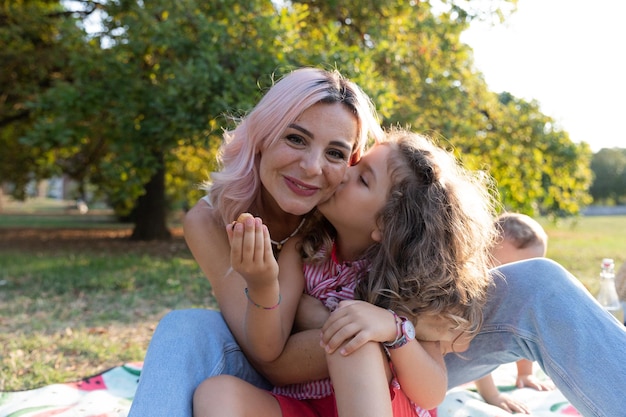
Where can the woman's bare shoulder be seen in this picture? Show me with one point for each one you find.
(206, 237)
(201, 216)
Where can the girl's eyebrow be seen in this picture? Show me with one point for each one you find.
(311, 135)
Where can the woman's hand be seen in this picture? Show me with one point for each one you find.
(311, 314)
(356, 323)
(251, 252)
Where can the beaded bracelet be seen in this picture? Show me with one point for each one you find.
(259, 305)
(398, 329)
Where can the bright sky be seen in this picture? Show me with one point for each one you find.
(570, 56)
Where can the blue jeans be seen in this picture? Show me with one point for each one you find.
(536, 310)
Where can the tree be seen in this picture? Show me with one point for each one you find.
(135, 99)
(538, 169)
(32, 35)
(167, 72)
(429, 83)
(609, 169)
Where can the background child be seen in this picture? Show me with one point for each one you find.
(521, 237)
(400, 239)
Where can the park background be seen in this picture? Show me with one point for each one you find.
(124, 103)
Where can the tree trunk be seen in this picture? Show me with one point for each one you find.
(151, 209)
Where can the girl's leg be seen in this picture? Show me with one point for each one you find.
(538, 311)
(361, 382)
(229, 396)
(187, 347)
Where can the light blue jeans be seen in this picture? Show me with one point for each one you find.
(536, 310)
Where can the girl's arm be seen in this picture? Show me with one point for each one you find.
(419, 366)
(421, 372)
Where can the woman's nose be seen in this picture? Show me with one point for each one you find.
(312, 163)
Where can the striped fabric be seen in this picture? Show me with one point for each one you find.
(329, 282)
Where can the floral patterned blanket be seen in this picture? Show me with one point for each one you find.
(110, 394)
(464, 401)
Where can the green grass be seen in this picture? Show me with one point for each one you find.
(67, 312)
(70, 309)
(68, 315)
(103, 221)
(579, 245)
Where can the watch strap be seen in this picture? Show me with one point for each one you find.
(403, 339)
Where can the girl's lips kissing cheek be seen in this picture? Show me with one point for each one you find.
(300, 188)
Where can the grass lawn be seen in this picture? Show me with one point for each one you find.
(580, 244)
(77, 297)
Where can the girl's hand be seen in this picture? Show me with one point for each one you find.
(531, 381)
(508, 403)
(357, 322)
(251, 252)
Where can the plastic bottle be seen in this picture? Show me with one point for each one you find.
(607, 296)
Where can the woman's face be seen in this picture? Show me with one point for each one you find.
(307, 163)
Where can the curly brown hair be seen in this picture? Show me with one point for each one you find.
(437, 232)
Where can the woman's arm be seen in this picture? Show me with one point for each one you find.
(273, 296)
(207, 240)
(302, 358)
(311, 314)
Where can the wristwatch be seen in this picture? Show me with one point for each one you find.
(408, 334)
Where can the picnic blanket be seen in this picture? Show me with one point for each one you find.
(464, 401)
(110, 394)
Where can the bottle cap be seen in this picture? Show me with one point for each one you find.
(608, 265)
(607, 262)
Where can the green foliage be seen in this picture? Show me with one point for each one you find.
(609, 169)
(167, 72)
(137, 109)
(32, 35)
(538, 169)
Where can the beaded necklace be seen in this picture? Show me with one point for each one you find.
(279, 245)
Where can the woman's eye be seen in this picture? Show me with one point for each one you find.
(295, 139)
(337, 154)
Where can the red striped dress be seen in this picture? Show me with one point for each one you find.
(329, 282)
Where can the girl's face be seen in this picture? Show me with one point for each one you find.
(305, 166)
(361, 195)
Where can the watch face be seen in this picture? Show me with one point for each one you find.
(409, 330)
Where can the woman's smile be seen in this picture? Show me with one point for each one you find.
(301, 188)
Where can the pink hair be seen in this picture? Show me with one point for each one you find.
(237, 184)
